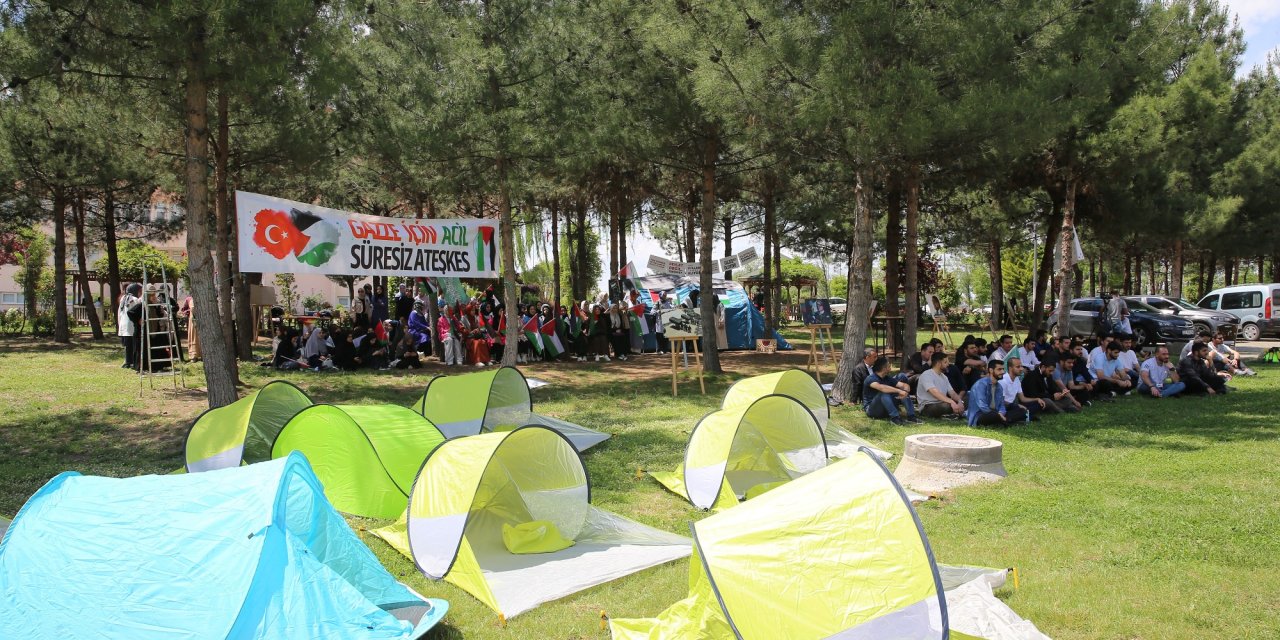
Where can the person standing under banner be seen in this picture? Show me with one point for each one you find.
(188, 311)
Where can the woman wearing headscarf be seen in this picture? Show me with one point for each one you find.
(448, 337)
(344, 350)
(619, 330)
(492, 318)
(598, 333)
(378, 308)
(316, 351)
(126, 326)
(420, 328)
(477, 338)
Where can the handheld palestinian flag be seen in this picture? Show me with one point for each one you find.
(581, 321)
(629, 272)
(550, 341)
(639, 324)
(531, 333)
(380, 332)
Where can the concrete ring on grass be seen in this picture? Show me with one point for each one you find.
(936, 462)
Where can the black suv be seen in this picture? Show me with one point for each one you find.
(1204, 319)
(1150, 326)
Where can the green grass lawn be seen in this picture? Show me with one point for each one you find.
(1137, 519)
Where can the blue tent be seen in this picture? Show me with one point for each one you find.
(247, 552)
(743, 323)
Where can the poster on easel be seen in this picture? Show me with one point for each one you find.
(817, 312)
(682, 323)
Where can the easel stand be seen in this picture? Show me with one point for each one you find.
(816, 333)
(675, 363)
(943, 328)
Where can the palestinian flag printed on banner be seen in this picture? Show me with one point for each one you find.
(639, 324)
(485, 248)
(550, 341)
(304, 235)
(531, 333)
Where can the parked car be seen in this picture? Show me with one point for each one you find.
(1254, 304)
(1150, 326)
(1204, 319)
(838, 306)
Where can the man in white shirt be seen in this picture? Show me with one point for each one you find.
(126, 328)
(1027, 354)
(934, 395)
(1004, 348)
(1159, 379)
(1129, 359)
(1017, 405)
(1228, 357)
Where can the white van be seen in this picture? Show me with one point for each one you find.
(1257, 306)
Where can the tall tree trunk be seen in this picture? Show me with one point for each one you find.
(859, 293)
(912, 285)
(246, 328)
(1137, 274)
(1045, 271)
(82, 262)
(555, 253)
(613, 236)
(1235, 271)
(61, 325)
(1261, 264)
(510, 293)
(1066, 253)
(222, 224)
(707, 296)
(995, 268)
(770, 320)
(1175, 278)
(690, 228)
(892, 253)
(727, 222)
(1093, 275)
(778, 280)
(624, 219)
(113, 254)
(219, 365)
(1128, 272)
(583, 260)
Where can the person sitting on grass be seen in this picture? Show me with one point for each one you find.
(1194, 371)
(986, 400)
(1098, 355)
(1129, 359)
(862, 371)
(934, 394)
(1203, 336)
(1079, 384)
(881, 395)
(1018, 407)
(1026, 353)
(1041, 383)
(1004, 348)
(1228, 359)
(1158, 377)
(406, 353)
(1112, 378)
(918, 363)
(968, 367)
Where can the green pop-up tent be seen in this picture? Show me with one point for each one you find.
(492, 400)
(253, 552)
(474, 492)
(838, 553)
(365, 455)
(243, 431)
(801, 386)
(747, 449)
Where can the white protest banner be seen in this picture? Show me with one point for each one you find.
(715, 266)
(659, 264)
(282, 236)
(730, 263)
(748, 255)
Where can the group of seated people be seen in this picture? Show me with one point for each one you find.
(1002, 384)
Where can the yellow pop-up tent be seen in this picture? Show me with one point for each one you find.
(801, 386)
(244, 430)
(838, 553)
(481, 503)
(492, 400)
(744, 450)
(364, 455)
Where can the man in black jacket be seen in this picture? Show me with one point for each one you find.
(861, 372)
(1039, 383)
(1199, 377)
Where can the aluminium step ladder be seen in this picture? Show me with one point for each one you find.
(157, 321)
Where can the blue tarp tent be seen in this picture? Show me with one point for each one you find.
(246, 552)
(743, 323)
